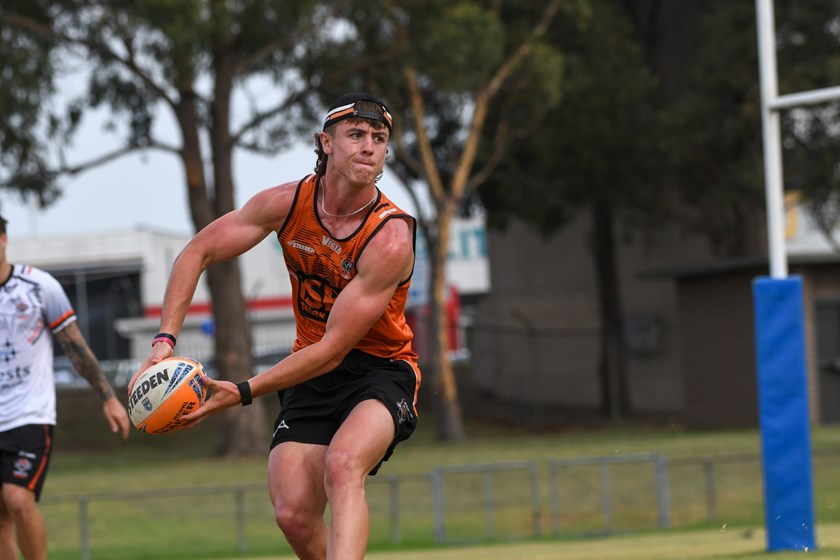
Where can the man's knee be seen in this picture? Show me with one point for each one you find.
(18, 502)
(343, 469)
(295, 522)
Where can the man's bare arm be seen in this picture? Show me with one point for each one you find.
(83, 360)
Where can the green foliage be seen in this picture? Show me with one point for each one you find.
(468, 37)
(808, 60)
(599, 144)
(692, 154)
(547, 64)
(716, 154)
(455, 48)
(191, 58)
(718, 162)
(109, 86)
(140, 57)
(807, 38)
(26, 78)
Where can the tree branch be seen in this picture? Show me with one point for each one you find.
(102, 50)
(485, 96)
(405, 182)
(408, 159)
(522, 51)
(333, 79)
(263, 116)
(111, 156)
(71, 170)
(500, 146)
(427, 156)
(267, 50)
(504, 137)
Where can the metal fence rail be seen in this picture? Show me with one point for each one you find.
(660, 487)
(497, 501)
(490, 497)
(83, 501)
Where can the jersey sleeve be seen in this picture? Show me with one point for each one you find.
(57, 308)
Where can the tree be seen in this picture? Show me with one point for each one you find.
(637, 120)
(27, 78)
(599, 154)
(187, 57)
(807, 60)
(442, 66)
(719, 160)
(445, 62)
(715, 159)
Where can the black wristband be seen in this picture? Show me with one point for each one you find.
(245, 392)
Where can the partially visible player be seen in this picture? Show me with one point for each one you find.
(348, 390)
(33, 310)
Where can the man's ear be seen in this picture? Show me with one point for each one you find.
(326, 143)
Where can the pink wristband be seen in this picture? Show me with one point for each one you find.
(163, 339)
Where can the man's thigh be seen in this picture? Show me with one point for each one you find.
(366, 434)
(25, 456)
(296, 476)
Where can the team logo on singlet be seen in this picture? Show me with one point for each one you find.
(347, 266)
(300, 246)
(316, 298)
(331, 243)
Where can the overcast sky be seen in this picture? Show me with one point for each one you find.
(148, 190)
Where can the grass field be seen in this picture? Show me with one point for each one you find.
(678, 545)
(90, 462)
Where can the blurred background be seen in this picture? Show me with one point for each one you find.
(586, 174)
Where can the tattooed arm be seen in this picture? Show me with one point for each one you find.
(85, 364)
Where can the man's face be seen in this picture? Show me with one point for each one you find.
(357, 149)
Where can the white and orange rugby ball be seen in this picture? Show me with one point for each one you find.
(165, 392)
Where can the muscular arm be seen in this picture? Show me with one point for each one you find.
(225, 238)
(84, 362)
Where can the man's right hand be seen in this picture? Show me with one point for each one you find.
(160, 351)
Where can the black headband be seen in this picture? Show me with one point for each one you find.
(345, 107)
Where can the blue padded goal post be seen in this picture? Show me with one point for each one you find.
(783, 414)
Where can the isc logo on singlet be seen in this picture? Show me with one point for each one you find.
(316, 298)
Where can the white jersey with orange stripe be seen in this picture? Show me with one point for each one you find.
(32, 306)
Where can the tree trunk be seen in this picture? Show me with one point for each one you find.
(615, 399)
(447, 408)
(243, 430)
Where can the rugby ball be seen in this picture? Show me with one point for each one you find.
(165, 392)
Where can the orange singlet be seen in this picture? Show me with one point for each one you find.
(321, 266)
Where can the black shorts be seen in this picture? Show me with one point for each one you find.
(25, 456)
(313, 411)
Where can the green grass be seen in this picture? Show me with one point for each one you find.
(679, 545)
(676, 545)
(90, 461)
